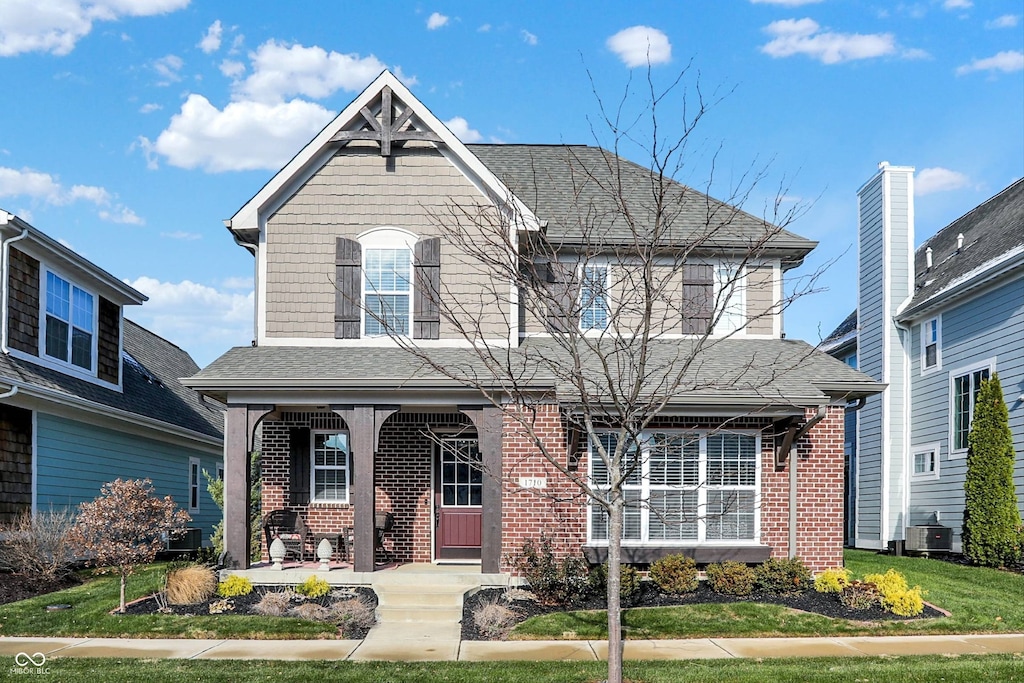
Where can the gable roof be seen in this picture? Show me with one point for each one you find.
(150, 385)
(578, 189)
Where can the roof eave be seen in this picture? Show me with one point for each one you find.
(996, 272)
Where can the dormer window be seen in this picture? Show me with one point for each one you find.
(70, 323)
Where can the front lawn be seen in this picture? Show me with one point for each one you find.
(980, 600)
(90, 615)
(962, 669)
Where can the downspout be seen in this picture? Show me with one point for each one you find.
(8, 394)
(905, 409)
(4, 287)
(255, 278)
(818, 417)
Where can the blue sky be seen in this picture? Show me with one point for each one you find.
(131, 128)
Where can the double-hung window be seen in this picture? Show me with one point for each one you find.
(387, 288)
(684, 488)
(931, 345)
(594, 297)
(330, 471)
(730, 298)
(70, 323)
(964, 394)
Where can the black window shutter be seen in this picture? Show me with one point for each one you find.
(563, 291)
(348, 261)
(697, 298)
(299, 456)
(426, 316)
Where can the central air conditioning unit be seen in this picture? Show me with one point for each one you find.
(933, 538)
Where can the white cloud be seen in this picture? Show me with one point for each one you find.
(436, 20)
(237, 283)
(211, 40)
(122, 214)
(484, 28)
(199, 318)
(804, 36)
(243, 136)
(182, 235)
(280, 70)
(149, 108)
(938, 179)
(640, 45)
(528, 38)
(231, 68)
(91, 193)
(168, 68)
(460, 127)
(785, 3)
(1006, 61)
(55, 26)
(46, 188)
(1005, 21)
(958, 4)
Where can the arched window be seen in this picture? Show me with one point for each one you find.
(387, 281)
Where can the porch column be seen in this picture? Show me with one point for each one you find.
(488, 423)
(364, 424)
(240, 421)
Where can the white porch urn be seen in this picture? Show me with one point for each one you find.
(323, 553)
(277, 553)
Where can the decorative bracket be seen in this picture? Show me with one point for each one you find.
(387, 132)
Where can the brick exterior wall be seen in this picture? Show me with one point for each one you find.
(23, 309)
(109, 341)
(15, 462)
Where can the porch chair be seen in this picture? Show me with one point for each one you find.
(288, 526)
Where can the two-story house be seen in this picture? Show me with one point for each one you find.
(355, 261)
(87, 396)
(931, 323)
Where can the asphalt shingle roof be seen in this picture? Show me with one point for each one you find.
(578, 190)
(152, 390)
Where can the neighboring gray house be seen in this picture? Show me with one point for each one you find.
(87, 396)
(932, 324)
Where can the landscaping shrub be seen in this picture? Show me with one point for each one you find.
(629, 580)
(553, 580)
(778, 577)
(190, 585)
(675, 574)
(39, 545)
(730, 578)
(859, 595)
(311, 611)
(273, 604)
(234, 585)
(991, 518)
(832, 580)
(352, 614)
(493, 619)
(895, 595)
(313, 587)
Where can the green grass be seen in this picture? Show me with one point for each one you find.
(963, 669)
(980, 600)
(92, 602)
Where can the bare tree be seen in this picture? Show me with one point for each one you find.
(126, 526)
(617, 298)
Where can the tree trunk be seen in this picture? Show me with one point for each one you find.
(615, 644)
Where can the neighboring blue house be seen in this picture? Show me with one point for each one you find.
(87, 396)
(932, 324)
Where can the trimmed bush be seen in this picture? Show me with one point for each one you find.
(629, 580)
(991, 518)
(190, 585)
(832, 580)
(313, 587)
(895, 595)
(730, 578)
(778, 577)
(234, 585)
(675, 574)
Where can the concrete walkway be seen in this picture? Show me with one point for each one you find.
(451, 649)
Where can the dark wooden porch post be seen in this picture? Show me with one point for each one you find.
(239, 423)
(488, 422)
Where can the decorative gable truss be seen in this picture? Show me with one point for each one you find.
(389, 127)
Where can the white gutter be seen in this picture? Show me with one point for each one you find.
(5, 218)
(8, 394)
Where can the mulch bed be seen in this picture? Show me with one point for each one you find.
(650, 596)
(15, 587)
(245, 604)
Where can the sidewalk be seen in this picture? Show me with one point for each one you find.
(540, 650)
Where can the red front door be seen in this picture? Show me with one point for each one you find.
(458, 500)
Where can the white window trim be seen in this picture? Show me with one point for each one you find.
(701, 488)
(385, 237)
(607, 295)
(737, 299)
(195, 467)
(938, 345)
(67, 366)
(990, 363)
(347, 467)
(935, 448)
